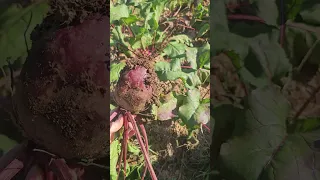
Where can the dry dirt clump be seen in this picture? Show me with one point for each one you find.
(63, 95)
(77, 11)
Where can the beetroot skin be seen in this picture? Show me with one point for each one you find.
(131, 92)
(62, 98)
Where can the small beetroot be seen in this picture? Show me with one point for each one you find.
(131, 91)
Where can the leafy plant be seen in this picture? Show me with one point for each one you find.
(263, 137)
(165, 52)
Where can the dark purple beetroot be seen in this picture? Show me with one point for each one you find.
(131, 92)
(62, 97)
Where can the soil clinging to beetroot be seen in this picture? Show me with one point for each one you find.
(138, 86)
(63, 91)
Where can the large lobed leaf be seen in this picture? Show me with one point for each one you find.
(261, 149)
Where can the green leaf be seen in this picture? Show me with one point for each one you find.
(169, 71)
(112, 107)
(203, 30)
(190, 105)
(6, 144)
(297, 44)
(305, 125)
(130, 20)
(267, 10)
(116, 68)
(118, 12)
(165, 110)
(204, 56)
(310, 12)
(118, 37)
(175, 50)
(202, 114)
(293, 8)
(193, 79)
(14, 23)
(204, 75)
(133, 149)
(261, 137)
(259, 134)
(114, 155)
(146, 40)
(191, 54)
(182, 38)
(265, 59)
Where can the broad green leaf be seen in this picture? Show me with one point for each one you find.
(295, 158)
(115, 71)
(266, 59)
(267, 10)
(119, 11)
(175, 50)
(165, 110)
(204, 56)
(158, 9)
(16, 25)
(225, 41)
(256, 28)
(204, 75)
(191, 54)
(310, 12)
(258, 134)
(182, 38)
(297, 44)
(169, 71)
(190, 105)
(202, 114)
(261, 137)
(218, 21)
(193, 79)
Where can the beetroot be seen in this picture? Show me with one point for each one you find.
(62, 98)
(131, 92)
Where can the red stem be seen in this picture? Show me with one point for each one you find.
(142, 146)
(245, 17)
(204, 125)
(186, 67)
(125, 145)
(144, 134)
(114, 114)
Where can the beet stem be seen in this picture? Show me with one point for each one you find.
(125, 145)
(144, 134)
(142, 146)
(114, 114)
(204, 125)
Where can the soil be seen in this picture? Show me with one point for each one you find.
(74, 12)
(173, 154)
(62, 92)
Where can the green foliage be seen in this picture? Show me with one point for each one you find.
(258, 141)
(141, 21)
(142, 26)
(16, 25)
